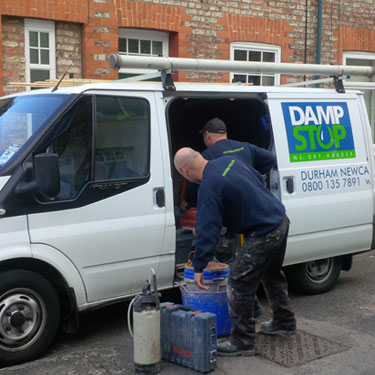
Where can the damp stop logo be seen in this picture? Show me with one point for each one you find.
(318, 131)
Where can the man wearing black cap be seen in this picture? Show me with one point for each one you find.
(215, 138)
(217, 143)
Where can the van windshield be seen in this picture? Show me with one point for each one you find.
(21, 118)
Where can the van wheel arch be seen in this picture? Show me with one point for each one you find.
(315, 277)
(46, 270)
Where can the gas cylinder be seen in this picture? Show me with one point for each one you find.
(146, 326)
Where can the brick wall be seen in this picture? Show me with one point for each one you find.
(63, 10)
(13, 49)
(100, 38)
(162, 17)
(68, 49)
(351, 39)
(201, 28)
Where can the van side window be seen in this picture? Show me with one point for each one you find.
(122, 142)
(73, 146)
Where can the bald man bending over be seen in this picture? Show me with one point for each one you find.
(233, 195)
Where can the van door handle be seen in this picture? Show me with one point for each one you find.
(160, 198)
(290, 185)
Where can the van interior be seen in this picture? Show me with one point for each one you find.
(246, 119)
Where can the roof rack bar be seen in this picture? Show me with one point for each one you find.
(360, 85)
(118, 61)
(308, 83)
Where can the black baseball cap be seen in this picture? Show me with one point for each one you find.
(215, 125)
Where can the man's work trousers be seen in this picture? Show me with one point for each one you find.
(260, 260)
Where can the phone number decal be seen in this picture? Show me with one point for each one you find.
(334, 179)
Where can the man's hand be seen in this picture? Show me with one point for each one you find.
(198, 279)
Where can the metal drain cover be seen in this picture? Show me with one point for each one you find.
(295, 350)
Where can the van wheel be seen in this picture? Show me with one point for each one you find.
(29, 316)
(318, 276)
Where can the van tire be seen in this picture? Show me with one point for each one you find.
(29, 316)
(315, 277)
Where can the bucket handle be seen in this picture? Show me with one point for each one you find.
(182, 286)
(192, 253)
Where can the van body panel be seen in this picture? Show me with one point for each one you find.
(369, 145)
(167, 157)
(325, 244)
(64, 266)
(325, 175)
(14, 238)
(167, 259)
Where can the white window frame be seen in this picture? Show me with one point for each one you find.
(258, 47)
(151, 35)
(357, 55)
(40, 26)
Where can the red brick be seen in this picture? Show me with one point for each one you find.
(342, 31)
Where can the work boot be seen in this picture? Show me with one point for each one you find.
(258, 309)
(270, 328)
(228, 348)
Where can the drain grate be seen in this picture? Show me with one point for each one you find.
(295, 350)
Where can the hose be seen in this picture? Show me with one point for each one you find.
(152, 272)
(129, 325)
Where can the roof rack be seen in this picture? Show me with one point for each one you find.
(169, 65)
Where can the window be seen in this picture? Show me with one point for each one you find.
(257, 53)
(21, 118)
(122, 143)
(122, 138)
(363, 59)
(142, 43)
(73, 146)
(40, 50)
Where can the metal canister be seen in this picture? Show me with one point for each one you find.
(146, 321)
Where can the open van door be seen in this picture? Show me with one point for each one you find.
(325, 181)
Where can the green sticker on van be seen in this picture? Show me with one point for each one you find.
(318, 131)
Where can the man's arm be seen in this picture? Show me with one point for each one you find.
(209, 223)
(263, 159)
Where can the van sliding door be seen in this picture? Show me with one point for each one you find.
(324, 174)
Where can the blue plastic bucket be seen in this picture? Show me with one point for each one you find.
(213, 300)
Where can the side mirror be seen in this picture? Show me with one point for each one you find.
(47, 175)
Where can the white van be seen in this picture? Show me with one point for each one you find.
(88, 191)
